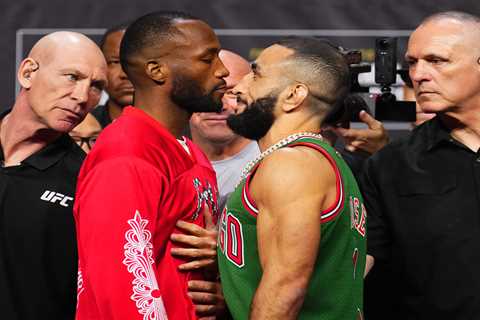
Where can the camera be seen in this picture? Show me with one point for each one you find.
(383, 106)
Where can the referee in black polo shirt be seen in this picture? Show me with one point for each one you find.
(61, 79)
(422, 192)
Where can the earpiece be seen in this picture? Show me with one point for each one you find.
(33, 68)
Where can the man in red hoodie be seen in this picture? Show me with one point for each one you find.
(143, 177)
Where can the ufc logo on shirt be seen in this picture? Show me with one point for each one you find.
(55, 197)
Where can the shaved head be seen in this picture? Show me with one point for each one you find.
(458, 16)
(236, 65)
(443, 55)
(62, 80)
(61, 43)
(468, 23)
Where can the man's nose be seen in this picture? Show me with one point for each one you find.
(80, 91)
(221, 71)
(123, 75)
(241, 86)
(419, 72)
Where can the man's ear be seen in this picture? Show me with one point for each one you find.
(295, 96)
(26, 72)
(157, 71)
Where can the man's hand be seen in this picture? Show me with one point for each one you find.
(208, 299)
(199, 245)
(369, 140)
(368, 264)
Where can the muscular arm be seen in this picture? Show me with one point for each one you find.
(290, 197)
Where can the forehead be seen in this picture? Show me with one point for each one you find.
(235, 76)
(88, 127)
(90, 62)
(236, 65)
(196, 36)
(273, 56)
(438, 38)
(112, 42)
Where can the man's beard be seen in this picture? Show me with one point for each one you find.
(188, 95)
(256, 120)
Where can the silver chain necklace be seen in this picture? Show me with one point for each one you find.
(275, 147)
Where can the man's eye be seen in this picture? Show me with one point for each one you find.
(95, 90)
(411, 62)
(113, 62)
(97, 86)
(436, 60)
(72, 77)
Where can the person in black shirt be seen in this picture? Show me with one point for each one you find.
(40, 163)
(422, 192)
(119, 88)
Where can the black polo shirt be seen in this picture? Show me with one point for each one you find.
(423, 205)
(38, 256)
(101, 114)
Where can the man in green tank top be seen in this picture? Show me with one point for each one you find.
(292, 237)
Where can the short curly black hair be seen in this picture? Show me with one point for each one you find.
(150, 29)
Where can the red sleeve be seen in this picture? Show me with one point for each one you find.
(116, 210)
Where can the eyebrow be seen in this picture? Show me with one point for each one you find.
(210, 51)
(427, 56)
(73, 70)
(99, 82)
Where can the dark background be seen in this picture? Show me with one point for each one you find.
(351, 23)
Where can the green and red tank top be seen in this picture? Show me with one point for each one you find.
(335, 290)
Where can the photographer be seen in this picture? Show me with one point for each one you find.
(368, 140)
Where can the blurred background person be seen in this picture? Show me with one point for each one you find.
(86, 133)
(119, 88)
(227, 151)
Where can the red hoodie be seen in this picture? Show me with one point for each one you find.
(135, 184)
